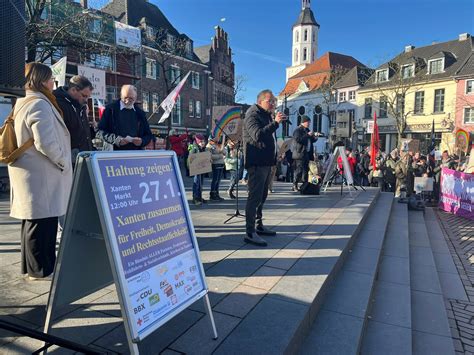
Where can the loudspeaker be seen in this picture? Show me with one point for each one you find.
(308, 188)
(12, 47)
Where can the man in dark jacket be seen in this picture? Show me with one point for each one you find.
(303, 150)
(72, 100)
(260, 151)
(124, 124)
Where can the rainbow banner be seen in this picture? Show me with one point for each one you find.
(462, 140)
(231, 114)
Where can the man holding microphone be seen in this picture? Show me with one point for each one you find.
(260, 152)
(303, 150)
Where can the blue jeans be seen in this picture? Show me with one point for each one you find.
(198, 181)
(234, 178)
(216, 178)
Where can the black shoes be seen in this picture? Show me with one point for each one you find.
(214, 196)
(253, 238)
(264, 231)
(295, 187)
(230, 193)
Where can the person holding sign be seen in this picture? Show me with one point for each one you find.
(41, 177)
(124, 124)
(302, 150)
(199, 145)
(260, 152)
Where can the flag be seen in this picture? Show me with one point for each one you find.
(374, 142)
(170, 100)
(59, 72)
(432, 144)
(101, 108)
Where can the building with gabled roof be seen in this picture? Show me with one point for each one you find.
(464, 77)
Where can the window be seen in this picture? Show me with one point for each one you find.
(436, 66)
(368, 108)
(314, 36)
(305, 35)
(189, 48)
(400, 105)
(111, 94)
(296, 54)
(332, 118)
(342, 96)
(469, 86)
(155, 102)
(95, 25)
(174, 74)
(198, 109)
(145, 101)
(351, 115)
(468, 115)
(439, 101)
(312, 56)
(352, 95)
(305, 54)
(382, 75)
(150, 32)
(419, 102)
(191, 108)
(297, 36)
(383, 107)
(332, 97)
(170, 41)
(195, 80)
(176, 113)
(408, 71)
(101, 61)
(150, 68)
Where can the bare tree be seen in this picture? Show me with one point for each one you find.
(54, 25)
(240, 87)
(394, 83)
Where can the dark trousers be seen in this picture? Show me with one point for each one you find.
(301, 170)
(216, 178)
(234, 179)
(258, 181)
(38, 246)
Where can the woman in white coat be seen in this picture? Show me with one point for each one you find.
(41, 178)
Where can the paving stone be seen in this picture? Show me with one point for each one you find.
(424, 343)
(421, 256)
(333, 333)
(236, 269)
(445, 263)
(369, 239)
(219, 287)
(394, 269)
(240, 301)
(425, 278)
(264, 326)
(452, 286)
(428, 313)
(392, 304)
(396, 244)
(363, 260)
(302, 282)
(381, 338)
(265, 278)
(349, 294)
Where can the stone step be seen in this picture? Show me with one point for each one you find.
(389, 326)
(339, 326)
(430, 327)
(281, 319)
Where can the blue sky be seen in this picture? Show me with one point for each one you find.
(372, 31)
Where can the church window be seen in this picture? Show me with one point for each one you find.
(305, 53)
(297, 36)
(305, 35)
(296, 54)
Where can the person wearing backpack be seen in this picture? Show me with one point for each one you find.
(41, 177)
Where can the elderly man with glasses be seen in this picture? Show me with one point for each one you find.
(260, 153)
(124, 124)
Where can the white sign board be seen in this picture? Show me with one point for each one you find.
(128, 36)
(370, 127)
(199, 163)
(423, 184)
(97, 78)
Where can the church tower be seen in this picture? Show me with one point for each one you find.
(305, 40)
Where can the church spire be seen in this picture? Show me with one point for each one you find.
(306, 4)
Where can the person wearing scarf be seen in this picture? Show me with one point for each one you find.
(41, 177)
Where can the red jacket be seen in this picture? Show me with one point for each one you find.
(352, 163)
(178, 143)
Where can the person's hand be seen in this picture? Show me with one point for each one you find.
(123, 141)
(137, 141)
(310, 133)
(279, 117)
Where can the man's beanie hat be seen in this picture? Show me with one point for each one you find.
(305, 118)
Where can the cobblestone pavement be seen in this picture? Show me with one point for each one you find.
(459, 233)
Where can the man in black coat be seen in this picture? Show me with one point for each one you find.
(72, 100)
(124, 124)
(260, 152)
(303, 151)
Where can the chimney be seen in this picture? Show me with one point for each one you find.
(84, 4)
(464, 36)
(409, 48)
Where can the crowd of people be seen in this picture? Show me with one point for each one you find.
(57, 122)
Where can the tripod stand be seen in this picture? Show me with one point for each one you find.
(237, 212)
(332, 179)
(239, 155)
